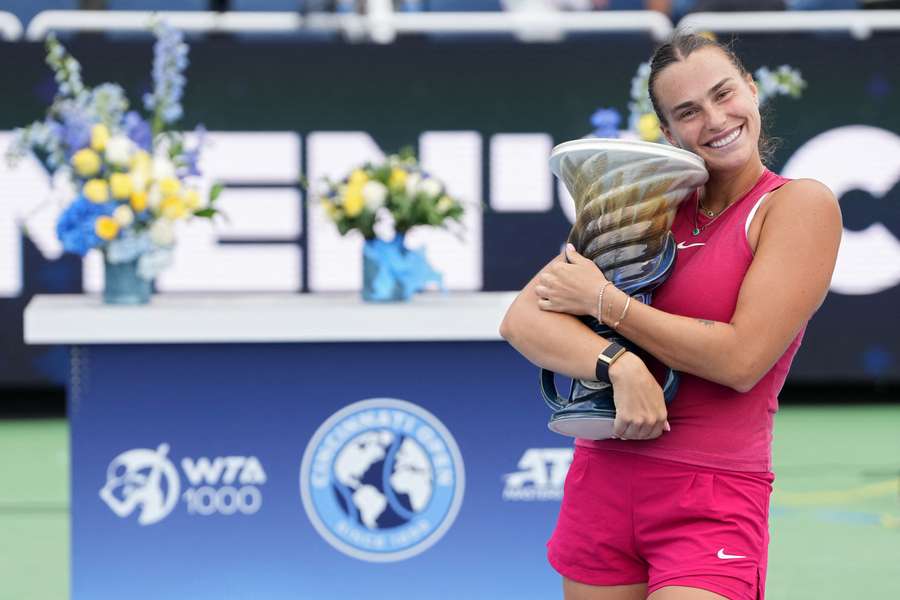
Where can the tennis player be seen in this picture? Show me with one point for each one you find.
(676, 508)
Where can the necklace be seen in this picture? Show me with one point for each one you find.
(708, 212)
(713, 216)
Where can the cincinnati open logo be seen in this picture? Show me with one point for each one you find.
(382, 480)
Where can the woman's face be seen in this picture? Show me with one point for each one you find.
(710, 109)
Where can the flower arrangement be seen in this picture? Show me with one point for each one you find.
(394, 195)
(133, 178)
(395, 189)
(643, 123)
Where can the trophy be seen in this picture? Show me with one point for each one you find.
(626, 196)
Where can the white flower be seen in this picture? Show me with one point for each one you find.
(154, 197)
(412, 184)
(118, 150)
(162, 168)
(430, 187)
(374, 194)
(162, 233)
(123, 215)
(444, 204)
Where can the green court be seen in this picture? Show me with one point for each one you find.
(835, 525)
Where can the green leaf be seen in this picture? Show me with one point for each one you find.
(214, 192)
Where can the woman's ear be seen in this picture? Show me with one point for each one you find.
(754, 89)
(668, 135)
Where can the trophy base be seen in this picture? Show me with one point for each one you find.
(588, 427)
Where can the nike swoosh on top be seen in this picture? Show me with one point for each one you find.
(683, 245)
(721, 554)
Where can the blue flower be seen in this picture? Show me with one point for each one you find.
(190, 157)
(606, 122)
(75, 131)
(75, 228)
(169, 62)
(138, 130)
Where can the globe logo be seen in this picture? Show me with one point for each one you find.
(382, 480)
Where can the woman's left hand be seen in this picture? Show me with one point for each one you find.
(570, 286)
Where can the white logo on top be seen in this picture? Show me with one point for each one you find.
(684, 245)
(721, 554)
(145, 479)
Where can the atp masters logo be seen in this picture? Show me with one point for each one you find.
(382, 480)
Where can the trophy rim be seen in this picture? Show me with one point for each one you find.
(649, 149)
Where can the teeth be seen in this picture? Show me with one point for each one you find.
(726, 141)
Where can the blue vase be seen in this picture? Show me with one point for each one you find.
(123, 285)
(379, 282)
(393, 273)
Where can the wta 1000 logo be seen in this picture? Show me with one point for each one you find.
(382, 480)
(147, 481)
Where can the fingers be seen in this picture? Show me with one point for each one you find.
(571, 254)
(627, 429)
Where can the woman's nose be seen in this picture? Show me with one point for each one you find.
(716, 118)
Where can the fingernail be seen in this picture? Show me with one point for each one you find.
(667, 427)
(570, 247)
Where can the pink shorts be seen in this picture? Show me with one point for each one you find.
(627, 518)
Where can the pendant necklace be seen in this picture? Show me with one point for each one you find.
(713, 216)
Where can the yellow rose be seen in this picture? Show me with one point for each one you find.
(86, 162)
(169, 186)
(99, 137)
(96, 190)
(358, 177)
(106, 228)
(173, 208)
(648, 127)
(397, 179)
(353, 200)
(120, 185)
(139, 201)
(192, 199)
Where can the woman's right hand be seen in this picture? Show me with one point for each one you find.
(640, 407)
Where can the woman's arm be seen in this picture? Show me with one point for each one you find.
(555, 341)
(563, 344)
(785, 284)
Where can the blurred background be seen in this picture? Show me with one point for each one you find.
(292, 91)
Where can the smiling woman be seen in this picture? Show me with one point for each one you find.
(687, 516)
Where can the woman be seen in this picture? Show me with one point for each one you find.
(676, 508)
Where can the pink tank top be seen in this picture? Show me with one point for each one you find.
(714, 425)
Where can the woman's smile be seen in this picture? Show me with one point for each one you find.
(726, 139)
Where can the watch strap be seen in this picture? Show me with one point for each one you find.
(606, 358)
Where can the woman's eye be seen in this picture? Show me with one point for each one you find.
(687, 114)
(724, 93)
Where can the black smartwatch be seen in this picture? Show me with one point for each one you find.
(610, 355)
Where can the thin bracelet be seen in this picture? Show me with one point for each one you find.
(624, 312)
(600, 301)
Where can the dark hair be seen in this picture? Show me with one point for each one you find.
(682, 45)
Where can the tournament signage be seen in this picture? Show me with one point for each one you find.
(382, 480)
(483, 116)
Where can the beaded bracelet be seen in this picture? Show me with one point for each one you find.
(600, 301)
